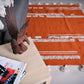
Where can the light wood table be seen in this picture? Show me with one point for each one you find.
(37, 72)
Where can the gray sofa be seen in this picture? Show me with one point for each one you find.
(20, 9)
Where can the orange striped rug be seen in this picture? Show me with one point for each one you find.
(58, 33)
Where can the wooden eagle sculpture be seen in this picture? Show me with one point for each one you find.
(18, 37)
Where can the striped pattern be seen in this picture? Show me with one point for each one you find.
(61, 57)
(58, 33)
(53, 15)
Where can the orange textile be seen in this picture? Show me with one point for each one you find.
(57, 31)
(66, 9)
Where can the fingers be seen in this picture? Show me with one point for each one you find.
(23, 47)
(26, 39)
(28, 42)
(15, 47)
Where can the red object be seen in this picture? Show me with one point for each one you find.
(11, 72)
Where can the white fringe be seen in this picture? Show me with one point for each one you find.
(54, 3)
(61, 3)
(46, 3)
(80, 4)
(81, 68)
(64, 68)
(39, 3)
(30, 3)
(71, 3)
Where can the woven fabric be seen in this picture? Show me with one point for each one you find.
(57, 31)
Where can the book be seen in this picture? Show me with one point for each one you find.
(13, 70)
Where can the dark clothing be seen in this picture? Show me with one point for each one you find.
(20, 9)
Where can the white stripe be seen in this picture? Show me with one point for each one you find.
(58, 52)
(61, 57)
(81, 40)
(53, 8)
(78, 16)
(35, 7)
(37, 36)
(58, 16)
(65, 16)
(65, 36)
(53, 15)
(30, 7)
(53, 40)
(40, 7)
(70, 8)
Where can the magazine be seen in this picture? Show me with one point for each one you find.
(11, 70)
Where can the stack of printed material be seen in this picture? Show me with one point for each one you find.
(11, 71)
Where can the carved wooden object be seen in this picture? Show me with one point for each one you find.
(18, 37)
